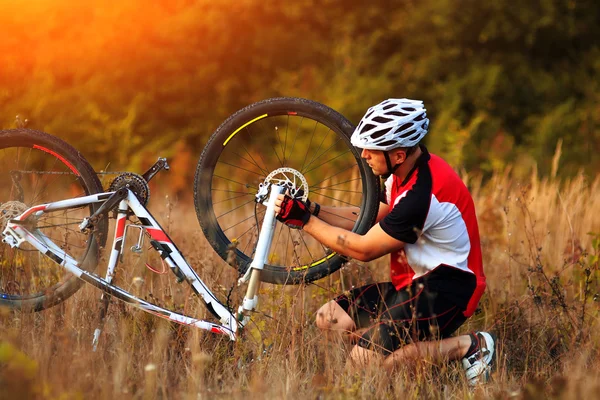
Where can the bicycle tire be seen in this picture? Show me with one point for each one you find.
(253, 118)
(37, 168)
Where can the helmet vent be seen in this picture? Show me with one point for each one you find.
(382, 120)
(389, 106)
(408, 134)
(380, 133)
(396, 113)
(388, 143)
(420, 117)
(367, 128)
(409, 109)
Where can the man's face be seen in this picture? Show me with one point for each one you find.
(376, 161)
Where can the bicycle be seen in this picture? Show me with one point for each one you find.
(55, 212)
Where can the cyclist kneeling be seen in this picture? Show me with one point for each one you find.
(427, 223)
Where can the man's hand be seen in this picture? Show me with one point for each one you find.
(313, 207)
(292, 212)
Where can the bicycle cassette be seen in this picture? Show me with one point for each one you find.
(134, 182)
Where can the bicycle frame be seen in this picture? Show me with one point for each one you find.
(17, 232)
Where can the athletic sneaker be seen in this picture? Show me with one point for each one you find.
(480, 364)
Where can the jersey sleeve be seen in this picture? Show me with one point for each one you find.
(406, 220)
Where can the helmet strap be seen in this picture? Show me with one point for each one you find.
(391, 168)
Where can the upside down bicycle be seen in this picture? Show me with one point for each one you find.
(55, 214)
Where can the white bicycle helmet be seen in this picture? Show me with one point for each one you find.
(390, 124)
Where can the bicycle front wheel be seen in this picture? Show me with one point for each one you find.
(291, 138)
(37, 168)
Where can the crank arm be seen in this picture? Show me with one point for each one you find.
(112, 202)
(159, 165)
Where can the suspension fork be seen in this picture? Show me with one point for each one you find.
(262, 253)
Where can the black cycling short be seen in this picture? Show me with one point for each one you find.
(431, 307)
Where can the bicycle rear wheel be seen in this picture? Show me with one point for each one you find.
(286, 136)
(37, 168)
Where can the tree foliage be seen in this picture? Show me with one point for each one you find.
(122, 81)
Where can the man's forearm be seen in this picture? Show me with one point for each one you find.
(337, 239)
(343, 217)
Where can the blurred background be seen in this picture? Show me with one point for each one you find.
(513, 93)
(505, 85)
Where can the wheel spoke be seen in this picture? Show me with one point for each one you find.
(241, 222)
(246, 231)
(341, 183)
(236, 208)
(309, 146)
(312, 258)
(337, 215)
(239, 183)
(338, 190)
(238, 167)
(253, 162)
(296, 137)
(336, 174)
(338, 200)
(274, 150)
(328, 161)
(233, 191)
(315, 156)
(231, 198)
(293, 244)
(287, 125)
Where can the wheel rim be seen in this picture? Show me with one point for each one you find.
(318, 150)
(33, 174)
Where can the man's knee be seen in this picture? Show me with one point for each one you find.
(405, 355)
(361, 357)
(325, 318)
(333, 317)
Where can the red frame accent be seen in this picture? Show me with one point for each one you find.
(31, 211)
(121, 227)
(217, 330)
(292, 113)
(61, 158)
(158, 235)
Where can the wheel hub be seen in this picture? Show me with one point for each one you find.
(10, 210)
(291, 179)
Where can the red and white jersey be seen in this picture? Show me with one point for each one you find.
(432, 212)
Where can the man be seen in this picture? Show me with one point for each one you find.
(427, 223)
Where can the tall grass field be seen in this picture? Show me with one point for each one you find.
(541, 247)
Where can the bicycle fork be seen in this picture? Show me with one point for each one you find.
(262, 252)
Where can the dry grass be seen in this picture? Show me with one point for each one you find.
(542, 271)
